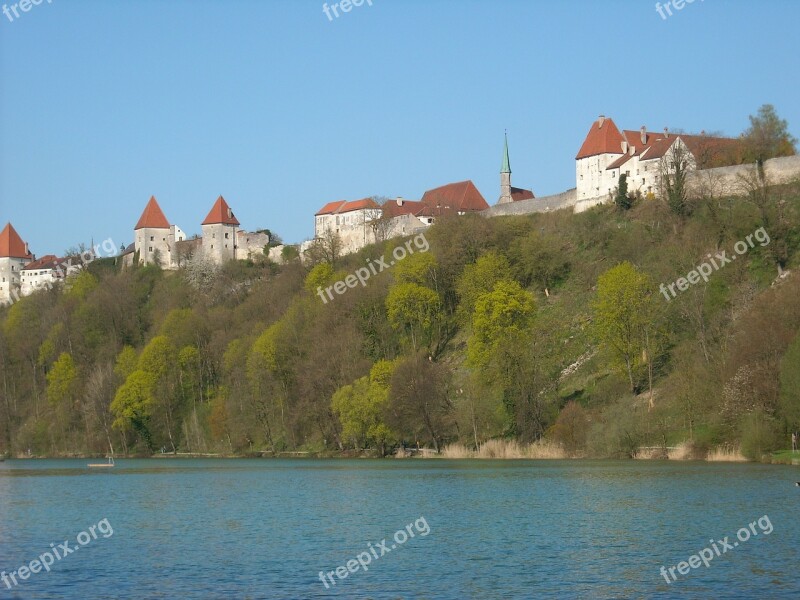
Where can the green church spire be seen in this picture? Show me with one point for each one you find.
(506, 163)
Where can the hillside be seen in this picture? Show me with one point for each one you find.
(547, 327)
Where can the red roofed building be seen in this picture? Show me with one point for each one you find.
(220, 232)
(14, 255)
(155, 238)
(352, 221)
(403, 217)
(152, 216)
(642, 156)
(455, 198)
(45, 271)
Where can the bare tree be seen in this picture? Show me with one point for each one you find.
(326, 248)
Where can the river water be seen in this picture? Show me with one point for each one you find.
(239, 528)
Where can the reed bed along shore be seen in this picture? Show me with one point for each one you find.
(507, 449)
(726, 454)
(545, 449)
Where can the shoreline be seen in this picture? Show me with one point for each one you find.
(790, 461)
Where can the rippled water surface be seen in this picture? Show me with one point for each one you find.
(510, 529)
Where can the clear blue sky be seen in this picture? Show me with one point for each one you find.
(103, 103)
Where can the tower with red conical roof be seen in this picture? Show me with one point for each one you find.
(220, 232)
(154, 237)
(14, 255)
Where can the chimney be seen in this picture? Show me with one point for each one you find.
(399, 201)
(600, 121)
(624, 147)
(643, 134)
(230, 212)
(666, 132)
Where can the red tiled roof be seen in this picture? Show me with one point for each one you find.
(707, 150)
(359, 205)
(634, 138)
(11, 245)
(605, 139)
(152, 217)
(220, 213)
(409, 207)
(330, 207)
(518, 194)
(619, 162)
(48, 261)
(342, 206)
(461, 197)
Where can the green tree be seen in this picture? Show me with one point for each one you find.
(623, 315)
(62, 381)
(621, 198)
(419, 268)
(540, 259)
(480, 278)
(414, 310)
(505, 313)
(159, 359)
(360, 407)
(768, 136)
(133, 405)
(320, 276)
(127, 361)
(81, 285)
(674, 171)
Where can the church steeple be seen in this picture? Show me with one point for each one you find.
(506, 168)
(505, 176)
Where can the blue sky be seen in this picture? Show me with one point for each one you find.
(105, 102)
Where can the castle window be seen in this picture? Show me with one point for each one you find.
(152, 238)
(212, 246)
(150, 249)
(226, 236)
(213, 235)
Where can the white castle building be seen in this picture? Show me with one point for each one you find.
(156, 241)
(607, 153)
(362, 222)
